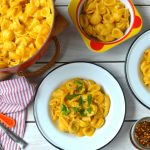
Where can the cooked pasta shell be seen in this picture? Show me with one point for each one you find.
(104, 32)
(119, 5)
(63, 124)
(94, 88)
(80, 132)
(146, 69)
(45, 12)
(9, 46)
(109, 38)
(117, 33)
(102, 9)
(100, 113)
(147, 79)
(100, 123)
(5, 23)
(106, 105)
(49, 20)
(89, 30)
(39, 41)
(121, 25)
(35, 3)
(126, 13)
(13, 62)
(101, 38)
(95, 17)
(73, 127)
(4, 8)
(98, 28)
(58, 93)
(84, 21)
(8, 35)
(109, 2)
(43, 2)
(83, 123)
(89, 7)
(86, 119)
(98, 97)
(107, 18)
(88, 131)
(147, 55)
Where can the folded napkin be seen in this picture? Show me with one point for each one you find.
(15, 95)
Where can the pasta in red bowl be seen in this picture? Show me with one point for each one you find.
(106, 20)
(25, 32)
(104, 24)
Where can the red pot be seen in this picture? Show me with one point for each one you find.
(20, 67)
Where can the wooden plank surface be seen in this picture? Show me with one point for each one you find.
(37, 142)
(134, 109)
(74, 49)
(137, 2)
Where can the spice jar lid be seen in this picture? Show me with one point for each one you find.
(140, 134)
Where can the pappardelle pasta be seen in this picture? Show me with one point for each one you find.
(145, 68)
(79, 107)
(105, 20)
(24, 27)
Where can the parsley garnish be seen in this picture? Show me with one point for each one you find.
(89, 103)
(82, 112)
(80, 101)
(76, 109)
(79, 85)
(70, 97)
(64, 110)
(89, 110)
(89, 100)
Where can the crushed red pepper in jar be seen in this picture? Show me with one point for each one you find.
(142, 133)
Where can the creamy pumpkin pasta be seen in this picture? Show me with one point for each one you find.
(79, 107)
(145, 68)
(105, 20)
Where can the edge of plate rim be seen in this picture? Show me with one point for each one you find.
(126, 65)
(72, 62)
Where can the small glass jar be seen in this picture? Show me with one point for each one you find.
(136, 128)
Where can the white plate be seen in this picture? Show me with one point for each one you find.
(132, 70)
(67, 141)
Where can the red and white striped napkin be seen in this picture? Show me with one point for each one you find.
(15, 95)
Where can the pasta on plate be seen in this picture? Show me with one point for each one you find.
(24, 27)
(145, 68)
(79, 107)
(105, 20)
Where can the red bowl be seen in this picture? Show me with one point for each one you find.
(36, 56)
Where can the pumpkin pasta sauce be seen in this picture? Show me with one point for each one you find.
(79, 107)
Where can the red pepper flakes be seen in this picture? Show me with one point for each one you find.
(142, 133)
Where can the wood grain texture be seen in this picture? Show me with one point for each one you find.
(137, 2)
(135, 110)
(74, 49)
(37, 142)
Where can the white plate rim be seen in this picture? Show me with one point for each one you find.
(126, 67)
(125, 105)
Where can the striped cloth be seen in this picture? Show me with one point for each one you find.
(15, 95)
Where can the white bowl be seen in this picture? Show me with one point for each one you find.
(66, 141)
(127, 4)
(132, 134)
(132, 68)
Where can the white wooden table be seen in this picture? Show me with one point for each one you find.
(73, 49)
